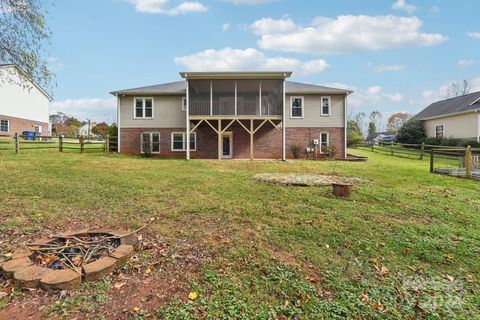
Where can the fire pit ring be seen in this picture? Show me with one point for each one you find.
(63, 261)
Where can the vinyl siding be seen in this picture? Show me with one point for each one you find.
(167, 113)
(464, 126)
(311, 112)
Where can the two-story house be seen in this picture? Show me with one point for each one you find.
(24, 105)
(239, 115)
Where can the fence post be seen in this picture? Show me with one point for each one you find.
(17, 144)
(422, 151)
(468, 162)
(60, 143)
(107, 143)
(373, 146)
(82, 144)
(391, 148)
(431, 160)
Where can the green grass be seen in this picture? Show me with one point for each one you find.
(279, 252)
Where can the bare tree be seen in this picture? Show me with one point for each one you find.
(459, 88)
(376, 118)
(23, 35)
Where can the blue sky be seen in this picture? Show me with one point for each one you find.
(397, 55)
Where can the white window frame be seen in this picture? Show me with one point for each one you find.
(8, 125)
(143, 108)
(151, 139)
(184, 141)
(329, 106)
(443, 131)
(320, 140)
(184, 104)
(40, 129)
(291, 107)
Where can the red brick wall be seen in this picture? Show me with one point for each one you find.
(18, 125)
(267, 141)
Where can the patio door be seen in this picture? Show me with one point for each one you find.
(227, 145)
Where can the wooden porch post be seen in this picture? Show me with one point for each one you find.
(251, 139)
(219, 139)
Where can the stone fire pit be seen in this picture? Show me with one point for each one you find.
(63, 261)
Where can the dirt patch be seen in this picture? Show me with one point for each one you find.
(305, 180)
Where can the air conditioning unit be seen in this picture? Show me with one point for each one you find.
(315, 142)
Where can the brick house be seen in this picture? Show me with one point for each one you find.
(239, 115)
(24, 105)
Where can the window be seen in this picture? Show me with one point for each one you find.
(143, 108)
(184, 103)
(296, 107)
(37, 129)
(439, 131)
(324, 141)
(150, 141)
(4, 125)
(325, 107)
(179, 141)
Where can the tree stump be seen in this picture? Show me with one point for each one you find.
(342, 190)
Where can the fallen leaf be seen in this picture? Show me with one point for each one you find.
(136, 309)
(148, 271)
(450, 278)
(193, 295)
(469, 278)
(7, 255)
(3, 294)
(119, 285)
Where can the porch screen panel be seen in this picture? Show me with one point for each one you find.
(223, 97)
(248, 92)
(199, 96)
(272, 97)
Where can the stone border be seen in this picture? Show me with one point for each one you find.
(27, 275)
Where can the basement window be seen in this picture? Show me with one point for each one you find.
(143, 108)
(4, 125)
(179, 141)
(439, 131)
(150, 141)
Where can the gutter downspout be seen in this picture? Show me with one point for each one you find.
(118, 124)
(187, 117)
(284, 153)
(478, 125)
(345, 127)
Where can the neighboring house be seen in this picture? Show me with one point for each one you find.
(241, 115)
(381, 137)
(86, 129)
(24, 105)
(453, 118)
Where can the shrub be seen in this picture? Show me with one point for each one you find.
(330, 152)
(412, 132)
(295, 151)
(147, 149)
(451, 142)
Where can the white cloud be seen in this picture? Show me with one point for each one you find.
(249, 59)
(403, 5)
(226, 26)
(371, 97)
(432, 95)
(465, 62)
(163, 7)
(54, 64)
(435, 9)
(96, 109)
(343, 34)
(474, 35)
(386, 67)
(248, 2)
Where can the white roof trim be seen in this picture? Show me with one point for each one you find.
(451, 114)
(475, 101)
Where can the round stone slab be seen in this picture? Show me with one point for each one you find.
(61, 280)
(12, 266)
(21, 253)
(30, 276)
(98, 269)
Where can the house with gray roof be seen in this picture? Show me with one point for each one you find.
(232, 115)
(457, 118)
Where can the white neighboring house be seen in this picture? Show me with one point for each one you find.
(24, 105)
(86, 129)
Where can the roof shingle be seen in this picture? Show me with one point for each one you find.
(451, 106)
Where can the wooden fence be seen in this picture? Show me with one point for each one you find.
(60, 143)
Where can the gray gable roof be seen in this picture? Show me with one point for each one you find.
(179, 87)
(466, 103)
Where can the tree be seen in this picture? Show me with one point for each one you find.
(101, 129)
(372, 128)
(22, 37)
(396, 121)
(113, 130)
(354, 134)
(459, 88)
(359, 120)
(63, 124)
(376, 118)
(412, 131)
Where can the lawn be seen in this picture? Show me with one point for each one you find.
(406, 245)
